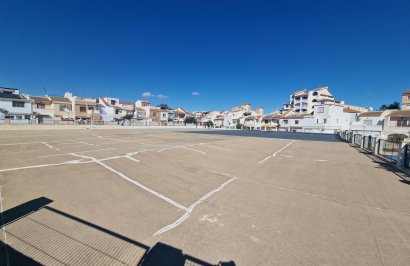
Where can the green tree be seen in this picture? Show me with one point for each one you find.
(164, 106)
(394, 105)
(209, 124)
(239, 126)
(127, 117)
(190, 120)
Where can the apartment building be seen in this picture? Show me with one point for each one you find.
(303, 101)
(14, 106)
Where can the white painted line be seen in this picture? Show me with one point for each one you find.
(165, 149)
(68, 153)
(321, 160)
(267, 158)
(194, 150)
(191, 208)
(159, 195)
(3, 228)
(42, 165)
(89, 144)
(287, 156)
(111, 158)
(51, 147)
(220, 148)
(173, 225)
(276, 153)
(132, 159)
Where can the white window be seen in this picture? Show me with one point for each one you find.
(41, 106)
(320, 110)
(296, 122)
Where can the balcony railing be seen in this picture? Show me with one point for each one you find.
(403, 123)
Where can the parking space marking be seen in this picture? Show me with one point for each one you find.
(194, 150)
(159, 195)
(67, 153)
(192, 207)
(277, 152)
(51, 147)
(220, 148)
(43, 165)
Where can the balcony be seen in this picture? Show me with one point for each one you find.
(44, 112)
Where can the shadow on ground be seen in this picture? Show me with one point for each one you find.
(270, 134)
(385, 164)
(37, 234)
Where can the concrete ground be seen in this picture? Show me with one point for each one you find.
(107, 197)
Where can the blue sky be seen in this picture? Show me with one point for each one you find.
(228, 51)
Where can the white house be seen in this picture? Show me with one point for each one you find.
(110, 108)
(330, 118)
(14, 106)
(368, 123)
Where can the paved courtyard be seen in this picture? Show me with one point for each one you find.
(130, 196)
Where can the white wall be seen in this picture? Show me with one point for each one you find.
(7, 104)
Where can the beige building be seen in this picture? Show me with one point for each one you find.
(43, 108)
(405, 100)
(63, 108)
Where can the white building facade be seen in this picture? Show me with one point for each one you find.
(14, 106)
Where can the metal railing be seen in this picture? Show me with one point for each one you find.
(357, 139)
(369, 142)
(406, 162)
(389, 149)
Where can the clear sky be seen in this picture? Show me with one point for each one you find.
(227, 51)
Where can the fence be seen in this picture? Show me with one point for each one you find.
(357, 139)
(369, 142)
(389, 149)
